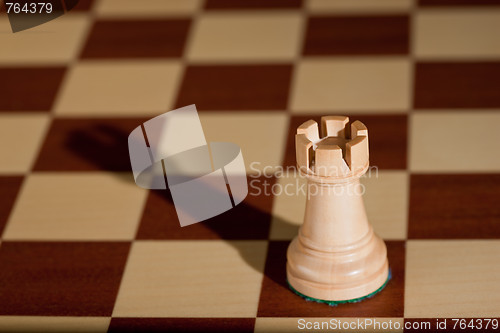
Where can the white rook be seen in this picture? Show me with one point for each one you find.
(336, 255)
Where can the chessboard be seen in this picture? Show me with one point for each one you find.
(83, 248)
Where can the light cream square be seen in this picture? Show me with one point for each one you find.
(354, 85)
(246, 36)
(260, 135)
(21, 136)
(319, 7)
(56, 42)
(461, 141)
(452, 279)
(192, 279)
(76, 206)
(289, 206)
(26, 324)
(119, 88)
(457, 34)
(146, 8)
(386, 202)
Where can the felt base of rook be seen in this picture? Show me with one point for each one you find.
(335, 303)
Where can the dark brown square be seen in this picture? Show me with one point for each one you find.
(29, 88)
(236, 87)
(87, 145)
(215, 325)
(387, 139)
(137, 38)
(250, 219)
(277, 300)
(454, 206)
(9, 188)
(357, 35)
(457, 85)
(59, 278)
(252, 4)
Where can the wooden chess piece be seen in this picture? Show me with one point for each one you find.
(336, 256)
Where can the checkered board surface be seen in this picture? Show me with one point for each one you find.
(84, 249)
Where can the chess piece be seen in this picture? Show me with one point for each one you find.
(336, 256)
